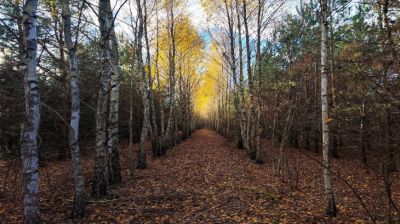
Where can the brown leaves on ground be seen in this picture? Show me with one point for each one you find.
(206, 180)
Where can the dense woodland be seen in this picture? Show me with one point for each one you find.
(281, 111)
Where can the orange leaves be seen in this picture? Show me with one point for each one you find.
(329, 120)
(206, 180)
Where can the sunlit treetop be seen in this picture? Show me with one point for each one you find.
(189, 50)
(211, 82)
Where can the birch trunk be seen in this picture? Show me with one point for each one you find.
(78, 204)
(330, 205)
(241, 82)
(158, 79)
(29, 147)
(171, 56)
(237, 137)
(142, 161)
(99, 184)
(251, 122)
(152, 111)
(114, 168)
(256, 117)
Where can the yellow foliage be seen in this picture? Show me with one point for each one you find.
(213, 79)
(189, 58)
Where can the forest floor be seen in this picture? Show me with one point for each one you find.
(205, 179)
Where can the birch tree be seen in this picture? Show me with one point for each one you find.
(256, 117)
(99, 185)
(243, 128)
(330, 205)
(238, 128)
(142, 160)
(29, 146)
(78, 204)
(157, 72)
(170, 134)
(152, 112)
(114, 168)
(251, 122)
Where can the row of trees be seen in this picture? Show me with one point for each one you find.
(322, 77)
(145, 83)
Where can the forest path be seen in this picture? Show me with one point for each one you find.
(205, 179)
(202, 180)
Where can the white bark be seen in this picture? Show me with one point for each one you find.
(238, 127)
(330, 206)
(78, 207)
(161, 104)
(152, 112)
(99, 186)
(252, 112)
(170, 134)
(113, 145)
(241, 81)
(142, 161)
(256, 116)
(29, 147)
